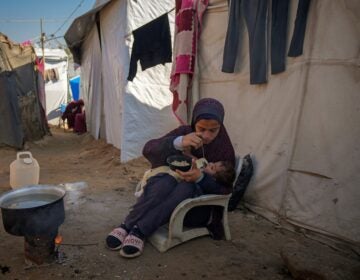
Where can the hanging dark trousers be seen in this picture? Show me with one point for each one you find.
(297, 41)
(279, 23)
(255, 12)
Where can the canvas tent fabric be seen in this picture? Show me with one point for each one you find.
(302, 127)
(56, 88)
(22, 116)
(122, 112)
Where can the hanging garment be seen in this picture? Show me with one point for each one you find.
(297, 41)
(51, 75)
(279, 23)
(188, 20)
(255, 13)
(152, 45)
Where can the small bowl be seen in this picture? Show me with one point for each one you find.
(180, 162)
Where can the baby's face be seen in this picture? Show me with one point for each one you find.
(213, 167)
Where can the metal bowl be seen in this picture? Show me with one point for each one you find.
(179, 162)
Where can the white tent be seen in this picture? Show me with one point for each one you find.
(126, 114)
(56, 89)
(301, 127)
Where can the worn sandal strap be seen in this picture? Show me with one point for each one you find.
(119, 233)
(132, 240)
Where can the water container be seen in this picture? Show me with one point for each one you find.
(24, 170)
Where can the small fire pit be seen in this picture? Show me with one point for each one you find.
(39, 250)
(35, 212)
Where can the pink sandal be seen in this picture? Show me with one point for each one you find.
(133, 246)
(115, 239)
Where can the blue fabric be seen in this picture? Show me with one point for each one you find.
(75, 87)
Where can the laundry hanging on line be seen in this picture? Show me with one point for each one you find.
(152, 45)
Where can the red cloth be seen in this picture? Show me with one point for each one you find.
(188, 20)
(40, 65)
(80, 123)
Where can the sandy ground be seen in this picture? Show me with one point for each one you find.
(100, 191)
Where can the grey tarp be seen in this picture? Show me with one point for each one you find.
(79, 29)
(22, 116)
(11, 132)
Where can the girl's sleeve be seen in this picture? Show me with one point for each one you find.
(157, 150)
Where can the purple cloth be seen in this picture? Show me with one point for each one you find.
(209, 107)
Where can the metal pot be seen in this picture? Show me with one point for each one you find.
(36, 210)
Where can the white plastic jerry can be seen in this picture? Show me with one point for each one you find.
(25, 170)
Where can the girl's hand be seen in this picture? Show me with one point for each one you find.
(192, 139)
(192, 175)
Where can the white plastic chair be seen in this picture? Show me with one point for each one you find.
(174, 233)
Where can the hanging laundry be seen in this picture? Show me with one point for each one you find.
(40, 65)
(279, 23)
(152, 45)
(188, 20)
(255, 12)
(297, 41)
(51, 75)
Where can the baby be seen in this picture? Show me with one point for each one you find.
(222, 171)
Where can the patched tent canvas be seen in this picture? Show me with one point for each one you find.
(22, 116)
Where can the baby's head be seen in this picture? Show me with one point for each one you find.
(222, 171)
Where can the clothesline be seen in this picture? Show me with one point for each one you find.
(209, 8)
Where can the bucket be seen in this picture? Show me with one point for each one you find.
(24, 170)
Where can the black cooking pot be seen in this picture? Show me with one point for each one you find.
(36, 210)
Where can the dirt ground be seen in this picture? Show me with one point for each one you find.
(100, 191)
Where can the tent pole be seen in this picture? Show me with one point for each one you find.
(42, 44)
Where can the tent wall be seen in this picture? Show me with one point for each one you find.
(90, 82)
(56, 90)
(11, 131)
(115, 59)
(22, 116)
(147, 110)
(302, 127)
(126, 111)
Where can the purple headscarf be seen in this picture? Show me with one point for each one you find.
(208, 108)
(221, 148)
